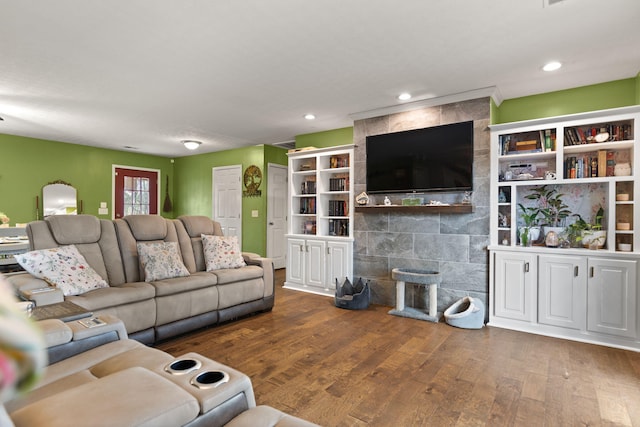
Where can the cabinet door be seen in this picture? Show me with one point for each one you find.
(315, 263)
(296, 260)
(514, 285)
(338, 262)
(612, 297)
(562, 291)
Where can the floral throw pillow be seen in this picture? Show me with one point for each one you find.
(63, 267)
(222, 252)
(161, 260)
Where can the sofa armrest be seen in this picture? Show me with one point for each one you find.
(31, 288)
(55, 332)
(267, 267)
(64, 340)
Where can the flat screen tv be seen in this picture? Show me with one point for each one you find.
(438, 158)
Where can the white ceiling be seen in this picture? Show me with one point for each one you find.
(231, 73)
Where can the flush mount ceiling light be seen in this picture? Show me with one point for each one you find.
(552, 66)
(191, 145)
(404, 96)
(309, 116)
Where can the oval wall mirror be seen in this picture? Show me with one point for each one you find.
(59, 198)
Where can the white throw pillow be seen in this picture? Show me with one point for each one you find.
(222, 252)
(161, 260)
(63, 267)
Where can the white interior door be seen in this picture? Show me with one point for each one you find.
(277, 196)
(227, 199)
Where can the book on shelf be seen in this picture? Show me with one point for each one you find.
(602, 163)
(339, 161)
(338, 208)
(338, 227)
(308, 205)
(339, 184)
(309, 187)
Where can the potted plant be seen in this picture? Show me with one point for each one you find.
(4, 220)
(530, 231)
(574, 231)
(551, 206)
(593, 236)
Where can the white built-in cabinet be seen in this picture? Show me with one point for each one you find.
(320, 235)
(571, 292)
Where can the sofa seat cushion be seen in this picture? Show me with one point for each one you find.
(232, 275)
(114, 296)
(177, 285)
(133, 397)
(236, 293)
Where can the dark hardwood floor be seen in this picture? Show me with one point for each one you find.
(338, 367)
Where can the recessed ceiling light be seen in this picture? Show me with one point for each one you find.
(191, 145)
(309, 116)
(404, 96)
(552, 66)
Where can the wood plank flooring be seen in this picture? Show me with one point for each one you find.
(338, 367)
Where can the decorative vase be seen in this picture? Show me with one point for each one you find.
(527, 239)
(551, 239)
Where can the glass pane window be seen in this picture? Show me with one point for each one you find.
(136, 196)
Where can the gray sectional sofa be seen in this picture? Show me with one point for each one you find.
(159, 309)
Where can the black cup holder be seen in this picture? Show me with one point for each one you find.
(182, 366)
(210, 379)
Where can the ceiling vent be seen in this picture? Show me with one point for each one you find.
(547, 3)
(286, 144)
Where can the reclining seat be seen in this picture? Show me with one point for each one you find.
(242, 290)
(183, 303)
(96, 240)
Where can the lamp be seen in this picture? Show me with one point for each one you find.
(191, 145)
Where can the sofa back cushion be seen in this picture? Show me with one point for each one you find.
(192, 227)
(134, 229)
(94, 238)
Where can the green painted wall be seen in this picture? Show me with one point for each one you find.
(27, 164)
(329, 138)
(193, 188)
(618, 93)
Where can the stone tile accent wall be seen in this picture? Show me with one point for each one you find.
(453, 244)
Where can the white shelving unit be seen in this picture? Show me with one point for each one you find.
(575, 293)
(320, 235)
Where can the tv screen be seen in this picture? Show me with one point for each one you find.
(438, 158)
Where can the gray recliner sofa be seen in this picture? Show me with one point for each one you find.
(155, 310)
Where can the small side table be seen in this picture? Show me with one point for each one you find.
(402, 276)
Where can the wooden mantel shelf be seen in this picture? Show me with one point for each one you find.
(432, 209)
